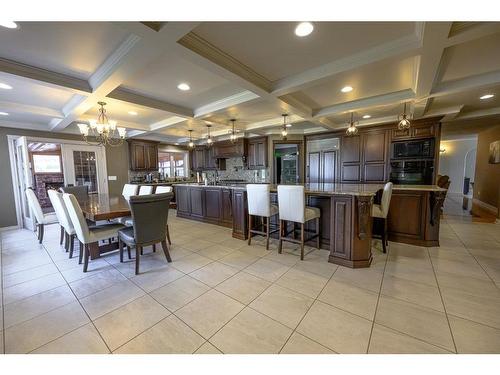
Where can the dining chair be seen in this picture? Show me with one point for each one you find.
(67, 229)
(259, 204)
(292, 207)
(129, 190)
(379, 214)
(161, 190)
(80, 192)
(41, 218)
(150, 216)
(88, 236)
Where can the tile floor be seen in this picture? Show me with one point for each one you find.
(221, 296)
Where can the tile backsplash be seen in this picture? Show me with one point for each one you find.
(236, 170)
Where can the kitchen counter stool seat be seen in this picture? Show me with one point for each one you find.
(379, 214)
(259, 204)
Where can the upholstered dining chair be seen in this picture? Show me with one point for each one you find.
(67, 229)
(80, 192)
(150, 216)
(162, 190)
(41, 218)
(379, 214)
(87, 236)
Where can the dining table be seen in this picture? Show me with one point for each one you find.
(103, 207)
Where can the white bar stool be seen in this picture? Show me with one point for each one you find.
(259, 204)
(129, 190)
(292, 207)
(379, 214)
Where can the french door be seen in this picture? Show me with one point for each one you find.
(24, 179)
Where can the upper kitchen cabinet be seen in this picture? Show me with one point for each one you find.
(350, 158)
(143, 155)
(420, 129)
(322, 160)
(257, 153)
(203, 159)
(228, 149)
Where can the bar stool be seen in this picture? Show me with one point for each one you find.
(129, 190)
(259, 204)
(292, 207)
(379, 214)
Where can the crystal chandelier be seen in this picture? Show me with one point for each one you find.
(352, 129)
(105, 131)
(404, 122)
(284, 131)
(209, 137)
(191, 143)
(233, 137)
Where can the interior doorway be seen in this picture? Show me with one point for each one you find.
(287, 162)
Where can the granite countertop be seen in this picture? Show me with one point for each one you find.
(418, 187)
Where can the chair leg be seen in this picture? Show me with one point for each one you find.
(82, 250)
(41, 232)
(168, 236)
(37, 229)
(71, 245)
(249, 229)
(165, 250)
(301, 241)
(142, 251)
(154, 248)
(66, 242)
(280, 244)
(267, 232)
(138, 253)
(86, 256)
(384, 234)
(120, 247)
(129, 253)
(318, 238)
(62, 235)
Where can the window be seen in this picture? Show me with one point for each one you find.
(46, 163)
(172, 164)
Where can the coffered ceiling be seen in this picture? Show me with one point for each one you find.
(251, 71)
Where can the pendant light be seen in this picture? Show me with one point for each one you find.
(352, 129)
(191, 143)
(233, 131)
(404, 122)
(284, 131)
(209, 137)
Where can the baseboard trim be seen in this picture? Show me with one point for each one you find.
(5, 229)
(488, 207)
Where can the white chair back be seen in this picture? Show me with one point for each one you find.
(163, 189)
(386, 199)
(291, 201)
(259, 199)
(77, 218)
(34, 205)
(145, 190)
(129, 190)
(62, 214)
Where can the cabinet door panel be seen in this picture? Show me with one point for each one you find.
(329, 166)
(213, 203)
(197, 198)
(314, 167)
(227, 206)
(405, 214)
(350, 149)
(182, 197)
(351, 173)
(374, 147)
(340, 232)
(374, 173)
(139, 157)
(423, 131)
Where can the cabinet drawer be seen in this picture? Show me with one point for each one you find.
(423, 131)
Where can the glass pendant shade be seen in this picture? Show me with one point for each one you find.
(352, 129)
(404, 122)
(106, 132)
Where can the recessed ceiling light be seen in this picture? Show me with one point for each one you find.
(367, 116)
(4, 114)
(5, 86)
(346, 89)
(183, 86)
(304, 29)
(132, 113)
(8, 24)
(487, 96)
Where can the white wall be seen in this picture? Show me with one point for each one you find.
(453, 163)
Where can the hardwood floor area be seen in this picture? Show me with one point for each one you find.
(220, 295)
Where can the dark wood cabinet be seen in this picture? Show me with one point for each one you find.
(427, 128)
(350, 150)
(203, 159)
(213, 204)
(210, 160)
(196, 204)
(143, 155)
(340, 218)
(321, 166)
(197, 157)
(257, 153)
(228, 149)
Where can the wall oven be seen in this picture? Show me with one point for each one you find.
(414, 149)
(412, 172)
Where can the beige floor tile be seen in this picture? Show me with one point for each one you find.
(196, 244)
(284, 305)
(178, 252)
(30, 335)
(84, 340)
(243, 287)
(214, 273)
(387, 341)
(102, 280)
(239, 259)
(360, 277)
(470, 285)
(285, 258)
(317, 262)
(191, 263)
(126, 322)
(208, 313)
(412, 291)
(338, 330)
(233, 243)
(156, 278)
(299, 344)
(28, 308)
(351, 298)
(471, 337)
(179, 292)
(30, 288)
(251, 332)
(28, 275)
(111, 298)
(216, 252)
(417, 321)
(462, 268)
(255, 249)
(411, 272)
(303, 282)
(478, 308)
(207, 348)
(170, 336)
(267, 269)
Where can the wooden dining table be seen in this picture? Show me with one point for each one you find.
(98, 207)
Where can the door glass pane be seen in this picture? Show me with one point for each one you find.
(85, 169)
(46, 163)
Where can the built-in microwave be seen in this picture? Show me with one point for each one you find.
(416, 149)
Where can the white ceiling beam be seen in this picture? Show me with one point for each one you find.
(479, 113)
(133, 54)
(171, 121)
(11, 107)
(230, 101)
(23, 125)
(467, 83)
(373, 101)
(474, 32)
(400, 48)
(45, 77)
(449, 113)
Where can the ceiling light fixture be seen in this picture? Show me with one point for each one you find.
(346, 89)
(8, 24)
(5, 86)
(304, 29)
(352, 129)
(284, 131)
(209, 137)
(404, 121)
(132, 113)
(4, 114)
(105, 131)
(183, 87)
(233, 137)
(487, 96)
(191, 143)
(367, 116)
